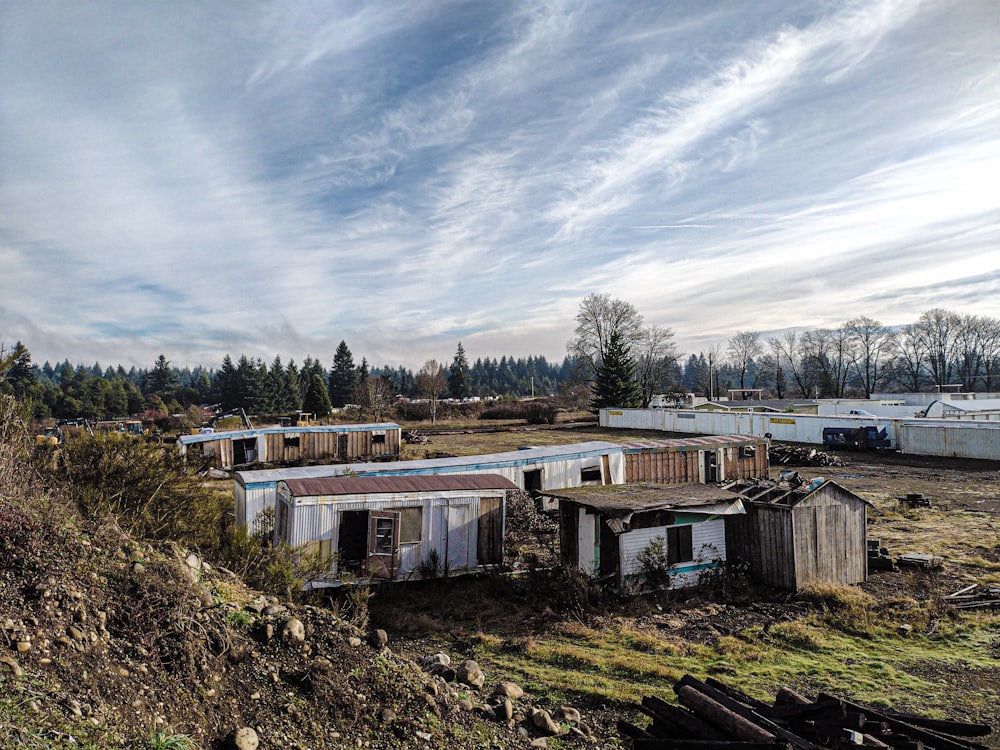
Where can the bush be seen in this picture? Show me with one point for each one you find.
(654, 565)
(540, 411)
(144, 486)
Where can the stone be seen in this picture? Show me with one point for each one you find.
(294, 631)
(509, 689)
(378, 639)
(275, 609)
(543, 722)
(354, 641)
(387, 715)
(138, 568)
(566, 713)
(539, 742)
(505, 711)
(23, 646)
(433, 660)
(470, 674)
(244, 738)
(12, 665)
(905, 629)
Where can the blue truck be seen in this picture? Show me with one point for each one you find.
(867, 438)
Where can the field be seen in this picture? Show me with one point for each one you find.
(893, 641)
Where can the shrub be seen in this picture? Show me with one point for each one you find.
(654, 565)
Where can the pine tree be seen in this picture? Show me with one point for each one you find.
(344, 377)
(317, 397)
(459, 382)
(615, 385)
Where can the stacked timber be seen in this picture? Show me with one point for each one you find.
(975, 597)
(713, 716)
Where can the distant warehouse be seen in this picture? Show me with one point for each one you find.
(233, 449)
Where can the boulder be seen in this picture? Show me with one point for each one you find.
(294, 631)
(470, 674)
(508, 689)
(244, 738)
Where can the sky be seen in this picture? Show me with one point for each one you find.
(270, 178)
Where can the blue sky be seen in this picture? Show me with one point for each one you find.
(263, 178)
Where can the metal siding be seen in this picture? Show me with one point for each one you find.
(981, 442)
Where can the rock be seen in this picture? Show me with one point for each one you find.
(465, 704)
(138, 568)
(434, 660)
(244, 738)
(447, 674)
(275, 609)
(23, 646)
(539, 742)
(354, 641)
(543, 722)
(566, 713)
(193, 561)
(905, 629)
(75, 633)
(427, 736)
(294, 631)
(469, 673)
(12, 665)
(505, 711)
(378, 639)
(509, 689)
(387, 715)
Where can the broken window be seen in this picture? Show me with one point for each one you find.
(680, 547)
(383, 536)
(378, 438)
(590, 474)
(411, 525)
(291, 441)
(747, 451)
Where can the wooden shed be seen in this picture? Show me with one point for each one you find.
(793, 534)
(288, 445)
(392, 527)
(708, 459)
(603, 530)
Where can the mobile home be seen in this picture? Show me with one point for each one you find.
(531, 469)
(395, 527)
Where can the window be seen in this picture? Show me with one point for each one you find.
(378, 438)
(679, 544)
(747, 451)
(383, 536)
(291, 441)
(411, 525)
(590, 474)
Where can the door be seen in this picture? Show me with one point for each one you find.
(456, 520)
(383, 544)
(711, 467)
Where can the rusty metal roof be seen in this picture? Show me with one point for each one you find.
(638, 497)
(385, 485)
(692, 443)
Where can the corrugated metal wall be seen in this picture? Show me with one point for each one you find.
(921, 437)
(318, 518)
(953, 441)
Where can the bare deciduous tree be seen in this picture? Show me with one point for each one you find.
(599, 319)
(656, 354)
(872, 347)
(743, 348)
(376, 395)
(431, 383)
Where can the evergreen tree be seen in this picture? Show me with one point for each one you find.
(343, 377)
(227, 385)
(317, 397)
(293, 397)
(459, 382)
(615, 384)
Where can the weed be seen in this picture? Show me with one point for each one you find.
(160, 739)
(654, 565)
(239, 618)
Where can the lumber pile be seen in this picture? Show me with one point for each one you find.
(795, 455)
(975, 597)
(413, 437)
(713, 716)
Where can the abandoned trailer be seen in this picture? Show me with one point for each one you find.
(395, 527)
(530, 469)
(282, 445)
(713, 458)
(604, 531)
(794, 532)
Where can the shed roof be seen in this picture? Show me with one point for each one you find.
(452, 464)
(387, 485)
(209, 437)
(769, 492)
(622, 499)
(693, 443)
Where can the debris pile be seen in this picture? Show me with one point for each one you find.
(912, 500)
(796, 455)
(413, 437)
(713, 715)
(878, 556)
(974, 597)
(920, 560)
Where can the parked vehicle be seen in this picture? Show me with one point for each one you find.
(867, 438)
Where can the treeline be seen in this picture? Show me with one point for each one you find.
(94, 392)
(621, 360)
(858, 358)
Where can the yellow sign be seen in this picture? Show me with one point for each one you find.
(780, 420)
(614, 413)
